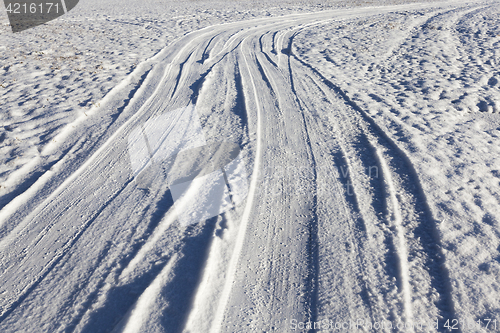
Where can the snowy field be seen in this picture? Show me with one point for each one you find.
(285, 166)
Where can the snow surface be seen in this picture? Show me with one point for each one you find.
(349, 150)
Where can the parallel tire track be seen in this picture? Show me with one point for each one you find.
(302, 164)
(414, 237)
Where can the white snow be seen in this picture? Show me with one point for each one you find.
(261, 166)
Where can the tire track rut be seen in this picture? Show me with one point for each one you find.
(414, 234)
(317, 227)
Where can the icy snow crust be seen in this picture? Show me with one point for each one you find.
(367, 185)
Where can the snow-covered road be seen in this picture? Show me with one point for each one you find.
(335, 222)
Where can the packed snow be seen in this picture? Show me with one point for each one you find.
(235, 166)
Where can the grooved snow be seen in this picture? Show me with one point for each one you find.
(252, 168)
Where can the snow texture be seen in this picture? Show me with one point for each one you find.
(260, 166)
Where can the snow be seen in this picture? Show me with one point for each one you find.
(251, 166)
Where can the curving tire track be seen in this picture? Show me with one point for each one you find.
(303, 246)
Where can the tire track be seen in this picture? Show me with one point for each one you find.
(360, 219)
(75, 178)
(314, 241)
(358, 223)
(413, 221)
(235, 258)
(271, 74)
(283, 231)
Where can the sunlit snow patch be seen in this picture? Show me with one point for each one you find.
(205, 179)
